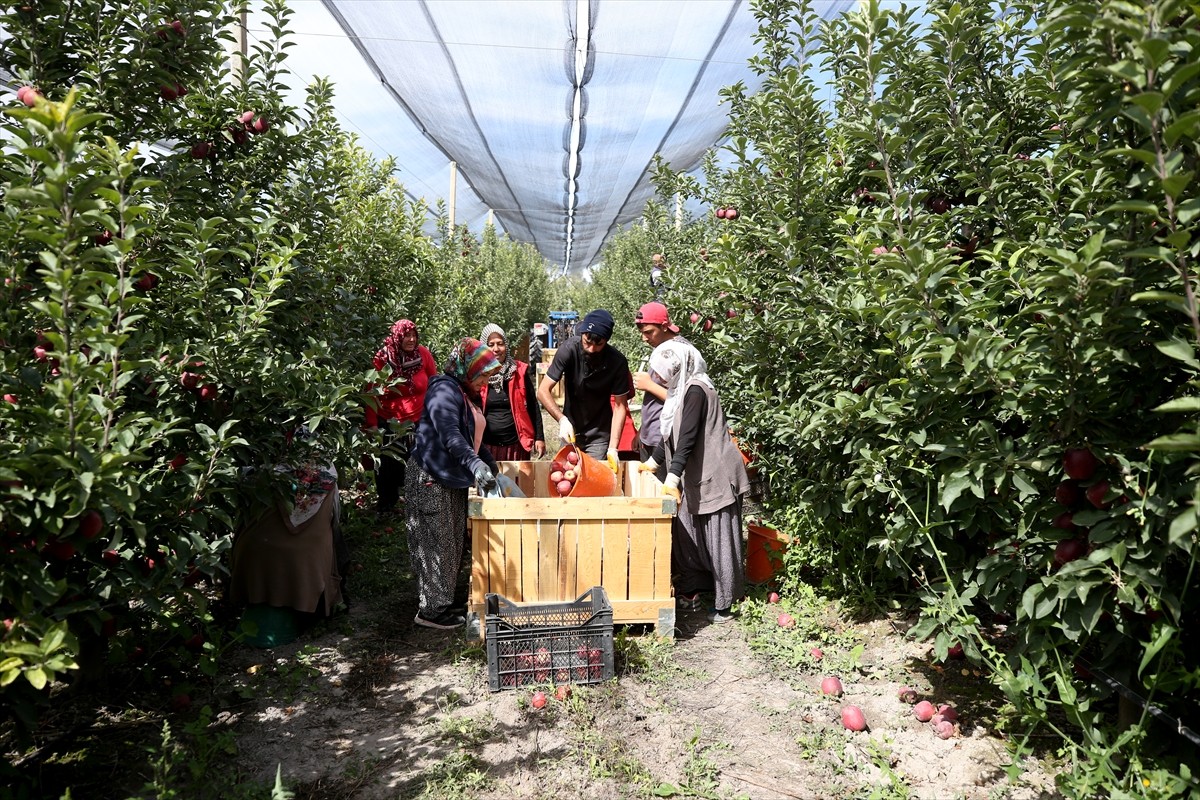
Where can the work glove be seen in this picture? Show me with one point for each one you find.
(649, 465)
(671, 488)
(485, 481)
(566, 431)
(613, 462)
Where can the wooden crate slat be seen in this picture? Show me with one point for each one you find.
(568, 542)
(479, 549)
(509, 533)
(495, 561)
(589, 540)
(614, 568)
(662, 559)
(547, 585)
(529, 556)
(641, 559)
(571, 507)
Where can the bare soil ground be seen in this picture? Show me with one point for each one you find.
(378, 708)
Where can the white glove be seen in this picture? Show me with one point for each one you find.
(566, 431)
(649, 465)
(671, 487)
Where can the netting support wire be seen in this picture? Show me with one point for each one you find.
(453, 189)
(583, 33)
(1150, 708)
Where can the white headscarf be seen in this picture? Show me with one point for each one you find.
(677, 362)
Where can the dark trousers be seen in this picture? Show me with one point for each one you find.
(389, 480)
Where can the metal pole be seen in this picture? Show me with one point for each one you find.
(678, 211)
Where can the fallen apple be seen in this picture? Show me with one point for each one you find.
(908, 695)
(785, 620)
(773, 597)
(831, 686)
(924, 711)
(945, 711)
(562, 692)
(538, 699)
(944, 729)
(816, 654)
(853, 719)
(955, 651)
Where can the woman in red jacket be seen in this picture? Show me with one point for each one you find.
(510, 406)
(402, 400)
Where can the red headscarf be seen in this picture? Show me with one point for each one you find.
(403, 364)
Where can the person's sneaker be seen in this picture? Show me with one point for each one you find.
(447, 620)
(688, 602)
(720, 617)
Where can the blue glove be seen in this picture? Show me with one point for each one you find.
(485, 481)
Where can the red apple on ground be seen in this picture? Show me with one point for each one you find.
(831, 686)
(908, 695)
(955, 651)
(562, 692)
(90, 524)
(785, 620)
(924, 711)
(1097, 492)
(773, 597)
(538, 700)
(853, 719)
(816, 653)
(730, 313)
(945, 712)
(694, 317)
(1079, 463)
(944, 729)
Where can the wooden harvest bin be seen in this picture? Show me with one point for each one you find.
(543, 549)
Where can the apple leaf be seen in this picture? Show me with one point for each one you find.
(1182, 525)
(1179, 350)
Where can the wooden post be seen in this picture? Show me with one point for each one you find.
(453, 184)
(239, 48)
(491, 220)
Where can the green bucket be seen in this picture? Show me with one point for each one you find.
(268, 626)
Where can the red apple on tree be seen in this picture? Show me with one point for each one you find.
(90, 524)
(1079, 463)
(720, 213)
(260, 125)
(1097, 492)
(731, 213)
(147, 282)
(1067, 493)
(694, 317)
(1068, 550)
(201, 150)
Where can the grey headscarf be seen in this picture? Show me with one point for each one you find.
(500, 377)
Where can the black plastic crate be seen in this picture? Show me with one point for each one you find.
(543, 643)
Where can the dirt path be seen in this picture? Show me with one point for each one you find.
(375, 708)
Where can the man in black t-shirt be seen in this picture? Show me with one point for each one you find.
(594, 374)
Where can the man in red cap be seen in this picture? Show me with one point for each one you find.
(654, 323)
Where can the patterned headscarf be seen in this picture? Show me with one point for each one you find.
(469, 359)
(498, 379)
(677, 362)
(403, 364)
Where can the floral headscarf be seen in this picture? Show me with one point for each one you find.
(677, 362)
(501, 377)
(469, 359)
(404, 365)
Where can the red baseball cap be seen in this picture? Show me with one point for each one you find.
(655, 314)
